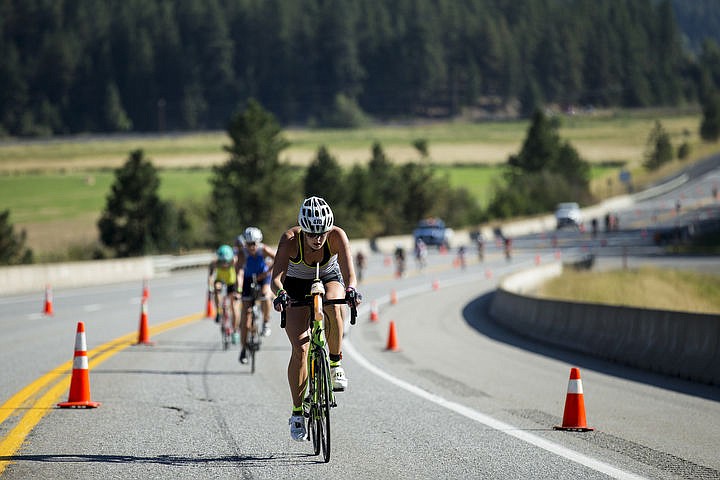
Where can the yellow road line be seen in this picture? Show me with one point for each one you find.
(14, 439)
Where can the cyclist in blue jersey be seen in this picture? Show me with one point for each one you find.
(252, 261)
(315, 240)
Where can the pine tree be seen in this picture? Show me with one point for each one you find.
(710, 126)
(659, 148)
(253, 187)
(12, 245)
(135, 221)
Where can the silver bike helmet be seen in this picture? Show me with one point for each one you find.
(253, 235)
(315, 216)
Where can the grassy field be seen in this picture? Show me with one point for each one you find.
(602, 137)
(56, 189)
(646, 287)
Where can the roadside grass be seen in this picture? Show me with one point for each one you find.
(645, 287)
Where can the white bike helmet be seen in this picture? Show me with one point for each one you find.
(315, 216)
(253, 235)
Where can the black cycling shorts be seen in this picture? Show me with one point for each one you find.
(230, 288)
(299, 288)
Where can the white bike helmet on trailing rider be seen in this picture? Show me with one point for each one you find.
(315, 216)
(253, 235)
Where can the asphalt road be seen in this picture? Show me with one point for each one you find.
(461, 399)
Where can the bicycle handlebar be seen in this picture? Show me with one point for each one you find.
(308, 302)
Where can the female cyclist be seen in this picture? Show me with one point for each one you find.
(315, 240)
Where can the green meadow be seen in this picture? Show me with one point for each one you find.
(56, 189)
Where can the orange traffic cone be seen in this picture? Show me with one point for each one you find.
(209, 308)
(145, 290)
(574, 415)
(143, 334)
(48, 310)
(373, 312)
(80, 380)
(393, 296)
(436, 285)
(392, 343)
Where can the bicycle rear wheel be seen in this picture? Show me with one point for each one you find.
(254, 338)
(225, 334)
(252, 348)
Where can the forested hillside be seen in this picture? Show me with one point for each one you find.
(70, 66)
(698, 20)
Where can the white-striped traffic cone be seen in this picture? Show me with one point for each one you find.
(574, 414)
(80, 382)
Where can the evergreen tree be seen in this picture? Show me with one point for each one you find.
(12, 245)
(545, 172)
(659, 149)
(710, 125)
(324, 178)
(253, 187)
(135, 221)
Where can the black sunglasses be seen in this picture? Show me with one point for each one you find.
(315, 235)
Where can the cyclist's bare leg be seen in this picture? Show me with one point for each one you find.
(297, 332)
(266, 304)
(235, 309)
(246, 324)
(334, 324)
(216, 295)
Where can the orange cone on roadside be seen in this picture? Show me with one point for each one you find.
(436, 285)
(145, 290)
(373, 312)
(80, 381)
(393, 296)
(210, 308)
(392, 343)
(48, 309)
(143, 334)
(574, 414)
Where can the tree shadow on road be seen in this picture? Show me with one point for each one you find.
(245, 461)
(477, 315)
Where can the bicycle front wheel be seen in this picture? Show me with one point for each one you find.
(324, 392)
(314, 414)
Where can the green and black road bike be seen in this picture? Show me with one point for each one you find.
(319, 398)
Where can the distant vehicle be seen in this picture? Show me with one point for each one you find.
(568, 214)
(433, 232)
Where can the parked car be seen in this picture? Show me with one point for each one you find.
(433, 231)
(568, 214)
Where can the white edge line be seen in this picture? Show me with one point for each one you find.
(506, 428)
(468, 412)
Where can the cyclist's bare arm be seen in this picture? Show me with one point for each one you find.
(287, 247)
(240, 270)
(341, 245)
(269, 251)
(211, 277)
